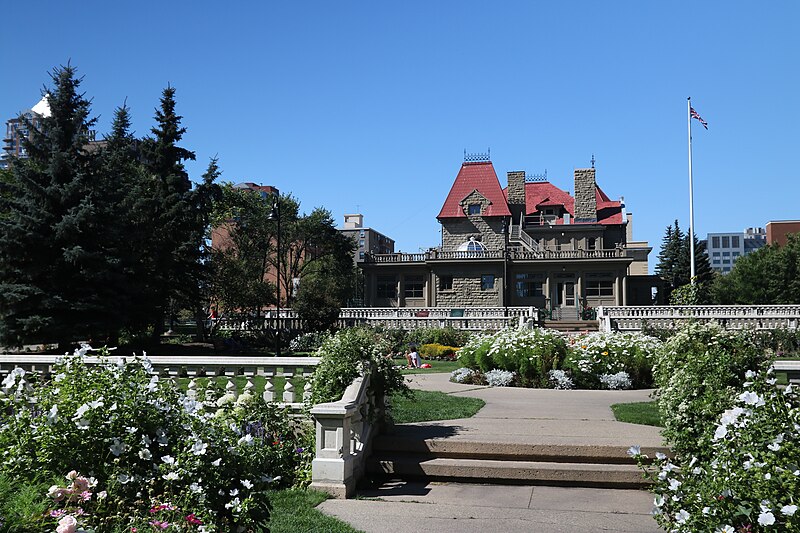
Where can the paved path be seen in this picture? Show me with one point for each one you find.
(512, 415)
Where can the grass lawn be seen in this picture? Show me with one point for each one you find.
(259, 382)
(638, 413)
(293, 511)
(424, 406)
(437, 366)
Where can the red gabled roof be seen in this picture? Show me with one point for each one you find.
(477, 176)
(545, 194)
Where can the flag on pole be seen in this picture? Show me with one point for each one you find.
(696, 115)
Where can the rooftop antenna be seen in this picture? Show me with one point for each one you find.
(592, 160)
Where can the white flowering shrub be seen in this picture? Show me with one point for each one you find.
(499, 378)
(699, 371)
(530, 353)
(308, 342)
(618, 381)
(560, 380)
(595, 354)
(344, 356)
(138, 440)
(748, 478)
(464, 375)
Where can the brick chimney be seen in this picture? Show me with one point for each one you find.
(516, 193)
(585, 195)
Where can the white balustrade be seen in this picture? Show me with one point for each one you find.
(632, 318)
(469, 318)
(344, 433)
(193, 367)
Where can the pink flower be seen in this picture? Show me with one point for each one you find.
(159, 524)
(57, 513)
(67, 524)
(81, 484)
(58, 493)
(72, 475)
(86, 495)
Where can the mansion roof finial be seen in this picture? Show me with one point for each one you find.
(592, 160)
(471, 158)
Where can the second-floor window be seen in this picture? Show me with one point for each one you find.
(474, 209)
(487, 282)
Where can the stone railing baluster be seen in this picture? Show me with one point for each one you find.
(288, 388)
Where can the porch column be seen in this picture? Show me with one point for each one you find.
(617, 290)
(624, 289)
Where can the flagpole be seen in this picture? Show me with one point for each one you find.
(691, 189)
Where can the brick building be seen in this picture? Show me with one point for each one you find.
(778, 231)
(531, 243)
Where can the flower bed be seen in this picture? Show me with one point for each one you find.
(547, 358)
(136, 450)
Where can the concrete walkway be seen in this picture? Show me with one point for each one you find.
(512, 416)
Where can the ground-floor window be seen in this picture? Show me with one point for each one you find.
(387, 287)
(487, 282)
(596, 287)
(413, 287)
(529, 285)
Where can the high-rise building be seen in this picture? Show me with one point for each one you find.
(367, 240)
(17, 129)
(725, 248)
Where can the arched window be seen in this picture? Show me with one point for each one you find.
(472, 246)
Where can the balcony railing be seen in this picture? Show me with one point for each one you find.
(514, 255)
(631, 318)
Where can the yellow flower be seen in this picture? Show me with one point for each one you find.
(605, 353)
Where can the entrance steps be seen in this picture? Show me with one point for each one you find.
(504, 463)
(572, 326)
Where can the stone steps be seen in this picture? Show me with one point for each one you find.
(505, 463)
(507, 471)
(568, 326)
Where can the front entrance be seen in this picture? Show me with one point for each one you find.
(563, 298)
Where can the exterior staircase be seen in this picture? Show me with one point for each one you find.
(572, 326)
(396, 456)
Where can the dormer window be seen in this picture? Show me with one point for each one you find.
(472, 246)
(474, 209)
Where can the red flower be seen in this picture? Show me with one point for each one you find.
(192, 519)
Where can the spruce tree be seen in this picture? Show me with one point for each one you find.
(126, 183)
(56, 277)
(174, 245)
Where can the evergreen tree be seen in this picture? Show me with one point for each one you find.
(673, 259)
(675, 267)
(174, 246)
(120, 163)
(57, 276)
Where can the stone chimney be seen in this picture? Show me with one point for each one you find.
(585, 195)
(516, 193)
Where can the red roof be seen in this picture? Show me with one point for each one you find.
(477, 176)
(545, 194)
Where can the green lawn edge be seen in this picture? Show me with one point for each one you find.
(294, 511)
(427, 406)
(644, 413)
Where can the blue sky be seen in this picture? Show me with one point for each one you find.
(368, 106)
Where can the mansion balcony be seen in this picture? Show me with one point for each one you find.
(494, 255)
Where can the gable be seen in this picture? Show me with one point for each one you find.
(480, 178)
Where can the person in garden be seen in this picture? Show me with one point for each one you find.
(414, 357)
